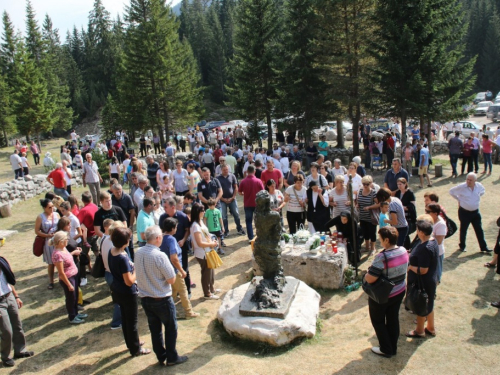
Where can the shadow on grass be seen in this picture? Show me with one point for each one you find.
(485, 333)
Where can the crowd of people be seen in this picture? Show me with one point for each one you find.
(175, 209)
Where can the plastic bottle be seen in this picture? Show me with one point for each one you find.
(340, 236)
(354, 286)
(334, 247)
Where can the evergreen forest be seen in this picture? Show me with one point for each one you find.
(302, 61)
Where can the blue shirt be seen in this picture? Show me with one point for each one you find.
(424, 152)
(381, 219)
(144, 221)
(415, 133)
(170, 246)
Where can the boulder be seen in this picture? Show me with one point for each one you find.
(28, 178)
(299, 322)
(5, 210)
(331, 135)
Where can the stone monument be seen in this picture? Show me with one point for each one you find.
(271, 308)
(271, 294)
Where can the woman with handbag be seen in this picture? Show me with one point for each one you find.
(45, 227)
(389, 267)
(295, 210)
(438, 233)
(366, 205)
(407, 198)
(202, 242)
(422, 278)
(339, 200)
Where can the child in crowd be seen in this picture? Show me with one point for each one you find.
(213, 221)
(384, 214)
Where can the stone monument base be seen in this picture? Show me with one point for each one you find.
(299, 322)
(250, 308)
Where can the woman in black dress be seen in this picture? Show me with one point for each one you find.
(423, 262)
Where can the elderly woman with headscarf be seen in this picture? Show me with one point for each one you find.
(349, 229)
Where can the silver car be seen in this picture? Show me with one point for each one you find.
(467, 128)
(482, 108)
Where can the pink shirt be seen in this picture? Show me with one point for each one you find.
(68, 263)
(487, 146)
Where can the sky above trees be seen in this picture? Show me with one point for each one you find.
(64, 13)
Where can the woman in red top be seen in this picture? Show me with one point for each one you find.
(486, 150)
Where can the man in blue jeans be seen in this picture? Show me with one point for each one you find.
(155, 275)
(249, 187)
(56, 178)
(229, 185)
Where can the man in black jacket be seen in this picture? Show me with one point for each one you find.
(11, 327)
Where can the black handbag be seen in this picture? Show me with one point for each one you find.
(98, 269)
(451, 226)
(380, 290)
(417, 299)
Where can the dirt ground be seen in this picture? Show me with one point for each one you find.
(467, 339)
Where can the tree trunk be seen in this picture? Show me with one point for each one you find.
(403, 127)
(269, 131)
(340, 133)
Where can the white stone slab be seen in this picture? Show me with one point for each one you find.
(299, 322)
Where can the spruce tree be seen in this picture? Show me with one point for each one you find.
(52, 64)
(217, 54)
(158, 85)
(397, 48)
(303, 94)
(490, 56)
(256, 49)
(8, 50)
(32, 109)
(34, 43)
(7, 119)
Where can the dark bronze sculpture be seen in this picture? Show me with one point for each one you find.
(267, 253)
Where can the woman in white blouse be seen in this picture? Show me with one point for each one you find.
(338, 196)
(295, 210)
(201, 241)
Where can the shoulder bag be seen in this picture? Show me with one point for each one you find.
(374, 213)
(417, 298)
(213, 259)
(451, 226)
(380, 290)
(98, 270)
(39, 242)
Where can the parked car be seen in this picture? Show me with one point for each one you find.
(381, 124)
(480, 96)
(482, 108)
(492, 112)
(346, 125)
(466, 128)
(213, 125)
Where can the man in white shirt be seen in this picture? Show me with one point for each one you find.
(276, 161)
(92, 178)
(249, 161)
(139, 193)
(16, 163)
(73, 135)
(468, 194)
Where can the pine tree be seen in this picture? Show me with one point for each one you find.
(490, 56)
(158, 85)
(54, 72)
(255, 58)
(7, 119)
(303, 93)
(8, 50)
(34, 42)
(32, 108)
(397, 48)
(217, 54)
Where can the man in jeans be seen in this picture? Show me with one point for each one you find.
(16, 163)
(455, 146)
(92, 178)
(249, 187)
(155, 275)
(229, 185)
(56, 178)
